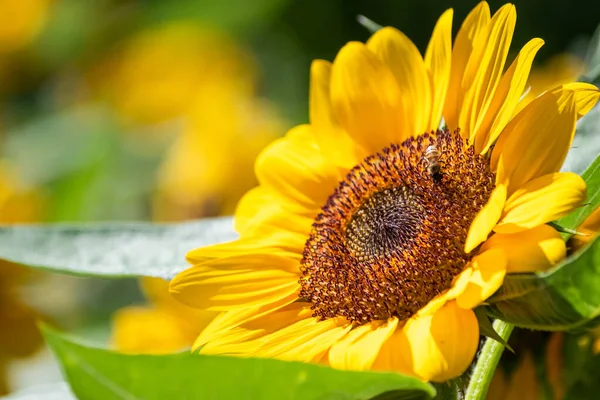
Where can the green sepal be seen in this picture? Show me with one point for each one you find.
(487, 329)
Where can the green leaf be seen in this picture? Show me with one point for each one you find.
(119, 249)
(591, 176)
(101, 374)
(565, 298)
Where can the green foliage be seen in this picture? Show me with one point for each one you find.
(112, 249)
(234, 16)
(101, 374)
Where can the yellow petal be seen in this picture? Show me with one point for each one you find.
(586, 95)
(304, 341)
(506, 98)
(444, 344)
(366, 98)
(536, 142)
(438, 60)
(247, 338)
(404, 60)
(460, 283)
(542, 200)
(330, 136)
(485, 68)
(395, 355)
(277, 242)
(237, 282)
(473, 27)
(359, 348)
(532, 250)
(295, 169)
(255, 203)
(489, 269)
(250, 322)
(259, 213)
(486, 219)
(583, 95)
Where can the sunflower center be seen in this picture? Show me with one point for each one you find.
(388, 221)
(391, 237)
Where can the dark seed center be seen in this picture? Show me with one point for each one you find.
(391, 237)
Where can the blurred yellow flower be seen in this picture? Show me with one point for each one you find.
(165, 327)
(558, 70)
(157, 74)
(20, 22)
(19, 335)
(525, 381)
(207, 169)
(339, 256)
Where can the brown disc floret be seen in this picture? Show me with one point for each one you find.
(391, 237)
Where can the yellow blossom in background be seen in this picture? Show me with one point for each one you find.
(20, 22)
(371, 236)
(522, 383)
(157, 74)
(206, 170)
(558, 70)
(209, 167)
(19, 335)
(166, 326)
(525, 380)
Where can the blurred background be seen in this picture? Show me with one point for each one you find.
(155, 110)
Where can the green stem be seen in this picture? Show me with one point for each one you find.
(487, 362)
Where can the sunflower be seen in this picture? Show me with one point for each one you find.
(373, 234)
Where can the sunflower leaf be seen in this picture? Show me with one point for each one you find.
(95, 373)
(591, 176)
(565, 298)
(118, 249)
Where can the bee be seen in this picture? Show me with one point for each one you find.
(432, 157)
